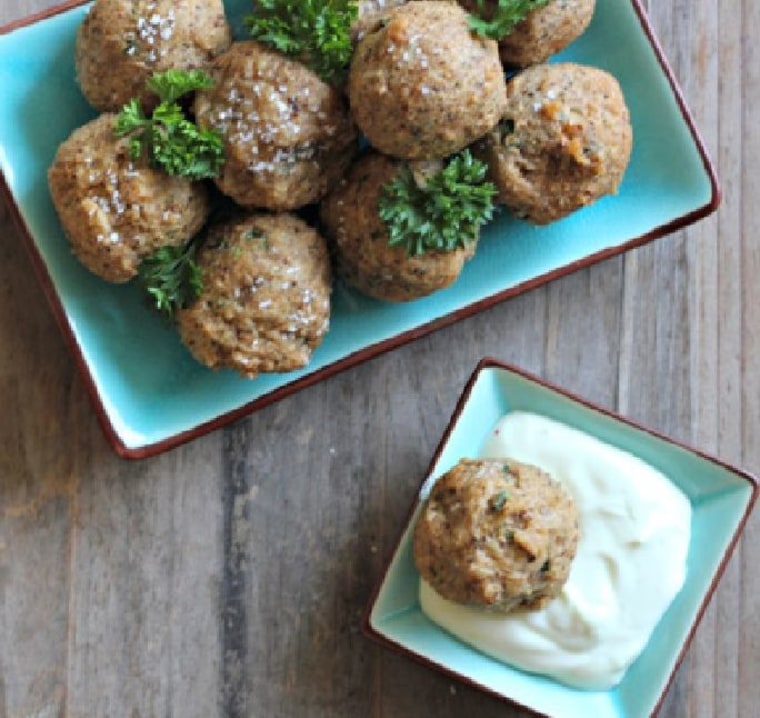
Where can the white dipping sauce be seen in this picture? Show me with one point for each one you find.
(631, 560)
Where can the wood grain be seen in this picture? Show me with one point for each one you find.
(228, 577)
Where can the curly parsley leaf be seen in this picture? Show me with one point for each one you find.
(503, 17)
(169, 140)
(171, 277)
(443, 213)
(315, 31)
(132, 121)
(173, 84)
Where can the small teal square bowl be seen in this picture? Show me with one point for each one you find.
(148, 391)
(721, 498)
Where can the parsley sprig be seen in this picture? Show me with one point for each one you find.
(171, 141)
(443, 213)
(171, 277)
(506, 15)
(315, 31)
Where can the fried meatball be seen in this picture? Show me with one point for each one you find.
(369, 13)
(360, 239)
(564, 140)
(497, 534)
(422, 86)
(116, 210)
(288, 136)
(265, 304)
(121, 43)
(543, 32)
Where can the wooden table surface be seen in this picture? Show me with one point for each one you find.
(228, 577)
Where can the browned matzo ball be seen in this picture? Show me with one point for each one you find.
(116, 210)
(564, 140)
(544, 31)
(288, 136)
(421, 85)
(497, 534)
(121, 43)
(265, 304)
(360, 239)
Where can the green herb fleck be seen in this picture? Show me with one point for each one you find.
(315, 31)
(498, 501)
(443, 214)
(171, 141)
(546, 565)
(171, 277)
(504, 17)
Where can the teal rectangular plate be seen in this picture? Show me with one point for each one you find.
(721, 498)
(151, 395)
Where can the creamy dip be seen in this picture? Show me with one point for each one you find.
(631, 561)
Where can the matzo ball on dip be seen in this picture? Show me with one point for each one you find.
(498, 534)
